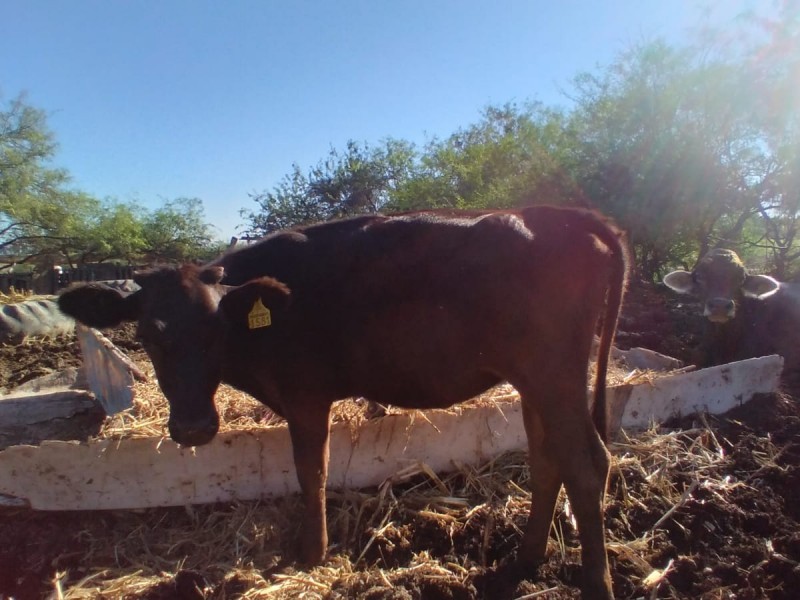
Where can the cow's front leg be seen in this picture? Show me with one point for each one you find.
(309, 428)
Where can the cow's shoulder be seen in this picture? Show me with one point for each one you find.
(781, 308)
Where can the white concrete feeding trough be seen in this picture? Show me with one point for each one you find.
(245, 465)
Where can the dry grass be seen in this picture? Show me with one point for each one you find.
(238, 411)
(234, 544)
(227, 551)
(654, 474)
(13, 296)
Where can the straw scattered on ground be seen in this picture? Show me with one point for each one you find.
(434, 536)
(674, 503)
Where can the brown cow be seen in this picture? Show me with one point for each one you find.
(748, 315)
(419, 310)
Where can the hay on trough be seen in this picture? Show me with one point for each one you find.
(238, 411)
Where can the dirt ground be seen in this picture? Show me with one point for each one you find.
(708, 511)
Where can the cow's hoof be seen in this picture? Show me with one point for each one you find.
(501, 582)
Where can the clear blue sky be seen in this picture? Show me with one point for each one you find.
(154, 100)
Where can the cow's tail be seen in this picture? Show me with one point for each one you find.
(614, 239)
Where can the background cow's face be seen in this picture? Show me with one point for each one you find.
(720, 280)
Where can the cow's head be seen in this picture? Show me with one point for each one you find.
(720, 280)
(185, 318)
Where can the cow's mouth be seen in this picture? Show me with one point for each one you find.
(196, 438)
(197, 433)
(718, 318)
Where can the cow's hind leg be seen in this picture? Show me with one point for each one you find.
(309, 429)
(545, 483)
(585, 463)
(564, 446)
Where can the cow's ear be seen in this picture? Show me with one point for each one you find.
(257, 304)
(760, 286)
(99, 306)
(680, 281)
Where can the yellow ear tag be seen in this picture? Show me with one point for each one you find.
(259, 316)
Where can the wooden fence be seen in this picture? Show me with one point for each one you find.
(57, 278)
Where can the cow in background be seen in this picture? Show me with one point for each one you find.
(748, 315)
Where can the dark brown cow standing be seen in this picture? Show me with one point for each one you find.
(419, 310)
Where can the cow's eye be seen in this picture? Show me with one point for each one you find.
(157, 348)
(152, 336)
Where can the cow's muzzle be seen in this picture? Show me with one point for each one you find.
(193, 433)
(720, 310)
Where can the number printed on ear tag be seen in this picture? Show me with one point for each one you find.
(259, 316)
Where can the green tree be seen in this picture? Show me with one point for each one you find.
(360, 179)
(33, 199)
(697, 147)
(666, 147)
(177, 232)
(116, 231)
(43, 221)
(512, 156)
(772, 76)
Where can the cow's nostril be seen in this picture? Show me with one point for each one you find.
(720, 304)
(720, 310)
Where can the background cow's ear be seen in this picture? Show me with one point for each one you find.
(680, 281)
(760, 286)
(240, 305)
(99, 306)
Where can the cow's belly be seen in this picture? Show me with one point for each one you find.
(421, 357)
(436, 390)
